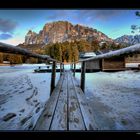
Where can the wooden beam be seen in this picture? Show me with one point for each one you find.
(6, 48)
(83, 70)
(124, 51)
(53, 76)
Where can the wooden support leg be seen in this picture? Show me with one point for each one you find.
(83, 70)
(60, 69)
(74, 69)
(53, 76)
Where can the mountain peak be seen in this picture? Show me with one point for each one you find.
(128, 39)
(61, 31)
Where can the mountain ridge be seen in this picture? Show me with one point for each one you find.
(61, 31)
(128, 39)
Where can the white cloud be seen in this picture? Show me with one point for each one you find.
(13, 41)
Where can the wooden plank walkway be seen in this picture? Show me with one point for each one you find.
(67, 108)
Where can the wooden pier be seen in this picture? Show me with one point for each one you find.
(67, 108)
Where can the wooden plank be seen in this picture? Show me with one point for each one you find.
(75, 117)
(46, 117)
(86, 110)
(60, 116)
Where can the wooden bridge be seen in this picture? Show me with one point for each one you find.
(67, 107)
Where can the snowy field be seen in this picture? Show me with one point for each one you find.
(23, 95)
(115, 99)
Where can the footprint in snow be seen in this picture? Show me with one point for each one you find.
(9, 116)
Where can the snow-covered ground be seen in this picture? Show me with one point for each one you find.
(23, 94)
(115, 99)
(132, 65)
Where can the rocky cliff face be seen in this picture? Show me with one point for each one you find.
(128, 39)
(62, 31)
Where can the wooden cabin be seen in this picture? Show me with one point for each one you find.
(113, 64)
(92, 65)
(108, 64)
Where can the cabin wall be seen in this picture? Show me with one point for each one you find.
(93, 65)
(117, 63)
(134, 59)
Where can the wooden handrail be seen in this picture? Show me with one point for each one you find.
(6, 48)
(127, 50)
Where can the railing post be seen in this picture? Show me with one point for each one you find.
(74, 70)
(83, 70)
(71, 67)
(63, 68)
(53, 77)
(60, 69)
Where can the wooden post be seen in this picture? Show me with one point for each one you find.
(60, 69)
(83, 70)
(63, 68)
(74, 70)
(53, 77)
(71, 67)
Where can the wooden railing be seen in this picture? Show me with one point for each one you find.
(125, 51)
(6, 48)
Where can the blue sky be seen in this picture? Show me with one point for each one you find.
(14, 24)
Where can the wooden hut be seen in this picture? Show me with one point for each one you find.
(92, 65)
(108, 64)
(113, 64)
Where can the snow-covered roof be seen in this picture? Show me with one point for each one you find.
(89, 54)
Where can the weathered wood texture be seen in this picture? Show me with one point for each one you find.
(117, 63)
(67, 108)
(60, 116)
(6, 48)
(75, 117)
(45, 120)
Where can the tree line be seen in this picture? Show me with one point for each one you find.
(69, 51)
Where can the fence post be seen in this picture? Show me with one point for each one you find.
(60, 69)
(71, 67)
(74, 69)
(83, 70)
(63, 67)
(53, 77)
